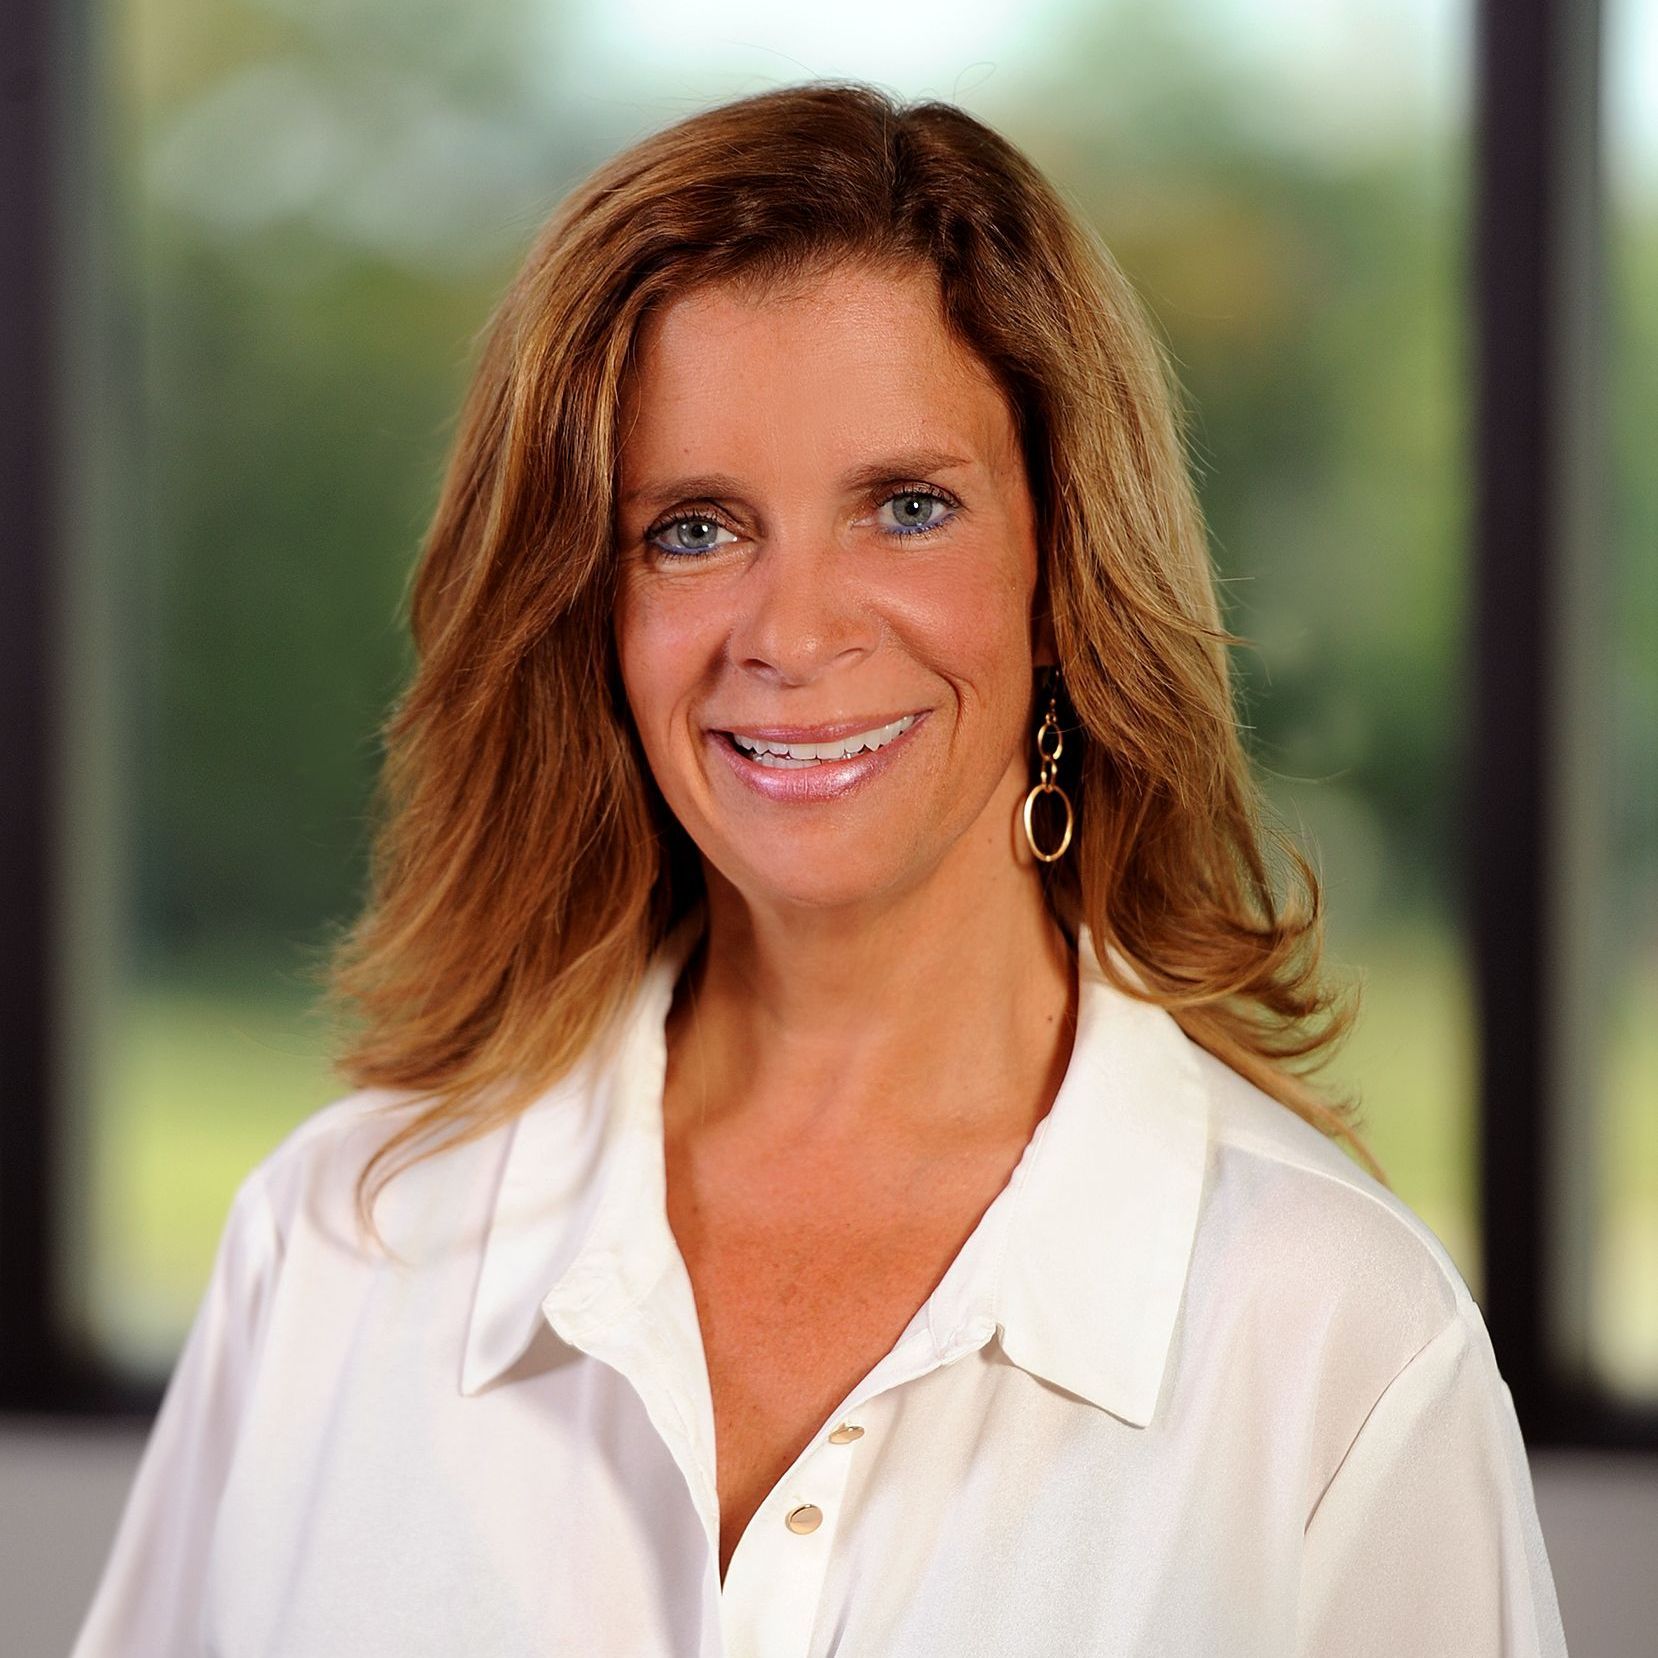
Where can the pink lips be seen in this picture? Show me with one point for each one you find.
(827, 780)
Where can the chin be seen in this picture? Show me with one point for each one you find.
(815, 879)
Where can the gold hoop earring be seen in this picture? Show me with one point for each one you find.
(1048, 783)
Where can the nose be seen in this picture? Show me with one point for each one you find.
(800, 613)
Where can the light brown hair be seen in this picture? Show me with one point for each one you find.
(525, 865)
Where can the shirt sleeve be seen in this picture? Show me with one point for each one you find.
(149, 1598)
(1426, 1539)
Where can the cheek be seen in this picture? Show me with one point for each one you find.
(657, 646)
(969, 616)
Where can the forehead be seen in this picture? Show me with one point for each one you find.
(823, 371)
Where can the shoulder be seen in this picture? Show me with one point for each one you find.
(1311, 1282)
(308, 1183)
(1309, 1245)
(1299, 1196)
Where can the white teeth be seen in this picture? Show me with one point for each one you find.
(769, 753)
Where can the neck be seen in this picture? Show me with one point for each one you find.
(946, 1011)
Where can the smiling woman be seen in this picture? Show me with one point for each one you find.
(828, 1200)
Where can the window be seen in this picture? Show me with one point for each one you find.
(1624, 1318)
(305, 215)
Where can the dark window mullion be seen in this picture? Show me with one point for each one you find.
(1536, 756)
(29, 1163)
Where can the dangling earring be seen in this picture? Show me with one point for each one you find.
(1049, 728)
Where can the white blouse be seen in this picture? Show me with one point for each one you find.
(1196, 1384)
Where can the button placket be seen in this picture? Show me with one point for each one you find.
(769, 1604)
(813, 1495)
(775, 1580)
(804, 1517)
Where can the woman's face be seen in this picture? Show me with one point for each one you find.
(826, 534)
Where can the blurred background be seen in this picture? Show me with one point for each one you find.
(299, 215)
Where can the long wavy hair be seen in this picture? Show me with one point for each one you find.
(525, 866)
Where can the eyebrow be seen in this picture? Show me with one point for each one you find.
(911, 463)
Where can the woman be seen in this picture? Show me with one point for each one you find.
(824, 1173)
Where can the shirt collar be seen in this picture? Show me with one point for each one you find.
(1080, 1264)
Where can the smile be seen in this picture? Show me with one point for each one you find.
(787, 771)
(767, 751)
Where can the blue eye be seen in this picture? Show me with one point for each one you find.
(701, 523)
(923, 500)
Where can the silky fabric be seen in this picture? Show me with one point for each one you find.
(1196, 1384)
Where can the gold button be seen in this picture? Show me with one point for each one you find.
(845, 1434)
(808, 1517)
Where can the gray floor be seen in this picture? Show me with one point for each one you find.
(61, 1490)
